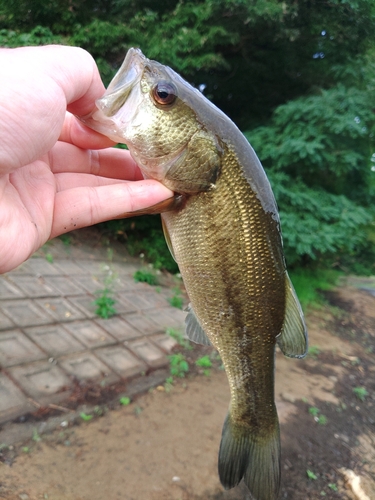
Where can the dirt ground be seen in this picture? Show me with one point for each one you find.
(164, 445)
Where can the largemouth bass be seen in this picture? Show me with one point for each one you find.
(223, 230)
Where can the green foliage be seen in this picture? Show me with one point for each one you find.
(361, 393)
(309, 282)
(176, 300)
(104, 303)
(125, 401)
(145, 276)
(303, 70)
(318, 152)
(86, 417)
(311, 475)
(179, 338)
(204, 362)
(178, 365)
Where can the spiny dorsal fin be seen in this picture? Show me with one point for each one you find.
(194, 331)
(293, 337)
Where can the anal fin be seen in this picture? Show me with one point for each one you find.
(293, 337)
(194, 331)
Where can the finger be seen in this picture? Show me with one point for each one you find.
(112, 162)
(71, 181)
(77, 133)
(37, 84)
(84, 206)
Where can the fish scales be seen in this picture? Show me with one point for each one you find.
(222, 264)
(223, 229)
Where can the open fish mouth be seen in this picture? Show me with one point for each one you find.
(116, 108)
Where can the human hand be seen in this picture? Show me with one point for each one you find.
(55, 174)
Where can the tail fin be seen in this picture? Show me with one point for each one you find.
(254, 458)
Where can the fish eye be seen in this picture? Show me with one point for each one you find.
(164, 93)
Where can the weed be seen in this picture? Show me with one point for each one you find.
(85, 416)
(333, 487)
(360, 392)
(49, 257)
(145, 276)
(179, 337)
(314, 411)
(320, 419)
(138, 410)
(314, 351)
(26, 449)
(125, 401)
(176, 301)
(36, 436)
(311, 475)
(178, 365)
(204, 362)
(104, 303)
(168, 384)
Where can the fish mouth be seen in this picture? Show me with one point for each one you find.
(115, 109)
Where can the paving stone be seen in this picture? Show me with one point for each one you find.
(85, 366)
(148, 352)
(34, 286)
(90, 283)
(64, 285)
(60, 309)
(144, 325)
(23, 269)
(13, 403)
(90, 334)
(118, 328)
(165, 342)
(169, 317)
(122, 305)
(25, 312)
(41, 267)
(43, 381)
(95, 267)
(136, 300)
(5, 322)
(9, 290)
(154, 299)
(86, 304)
(69, 267)
(54, 339)
(121, 360)
(16, 348)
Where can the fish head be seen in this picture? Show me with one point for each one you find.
(152, 110)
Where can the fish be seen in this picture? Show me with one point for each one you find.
(223, 229)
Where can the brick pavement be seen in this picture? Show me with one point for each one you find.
(50, 336)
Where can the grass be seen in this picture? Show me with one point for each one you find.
(308, 284)
(311, 475)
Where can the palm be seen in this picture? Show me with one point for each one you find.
(54, 174)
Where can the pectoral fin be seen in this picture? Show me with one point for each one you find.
(194, 331)
(173, 203)
(293, 337)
